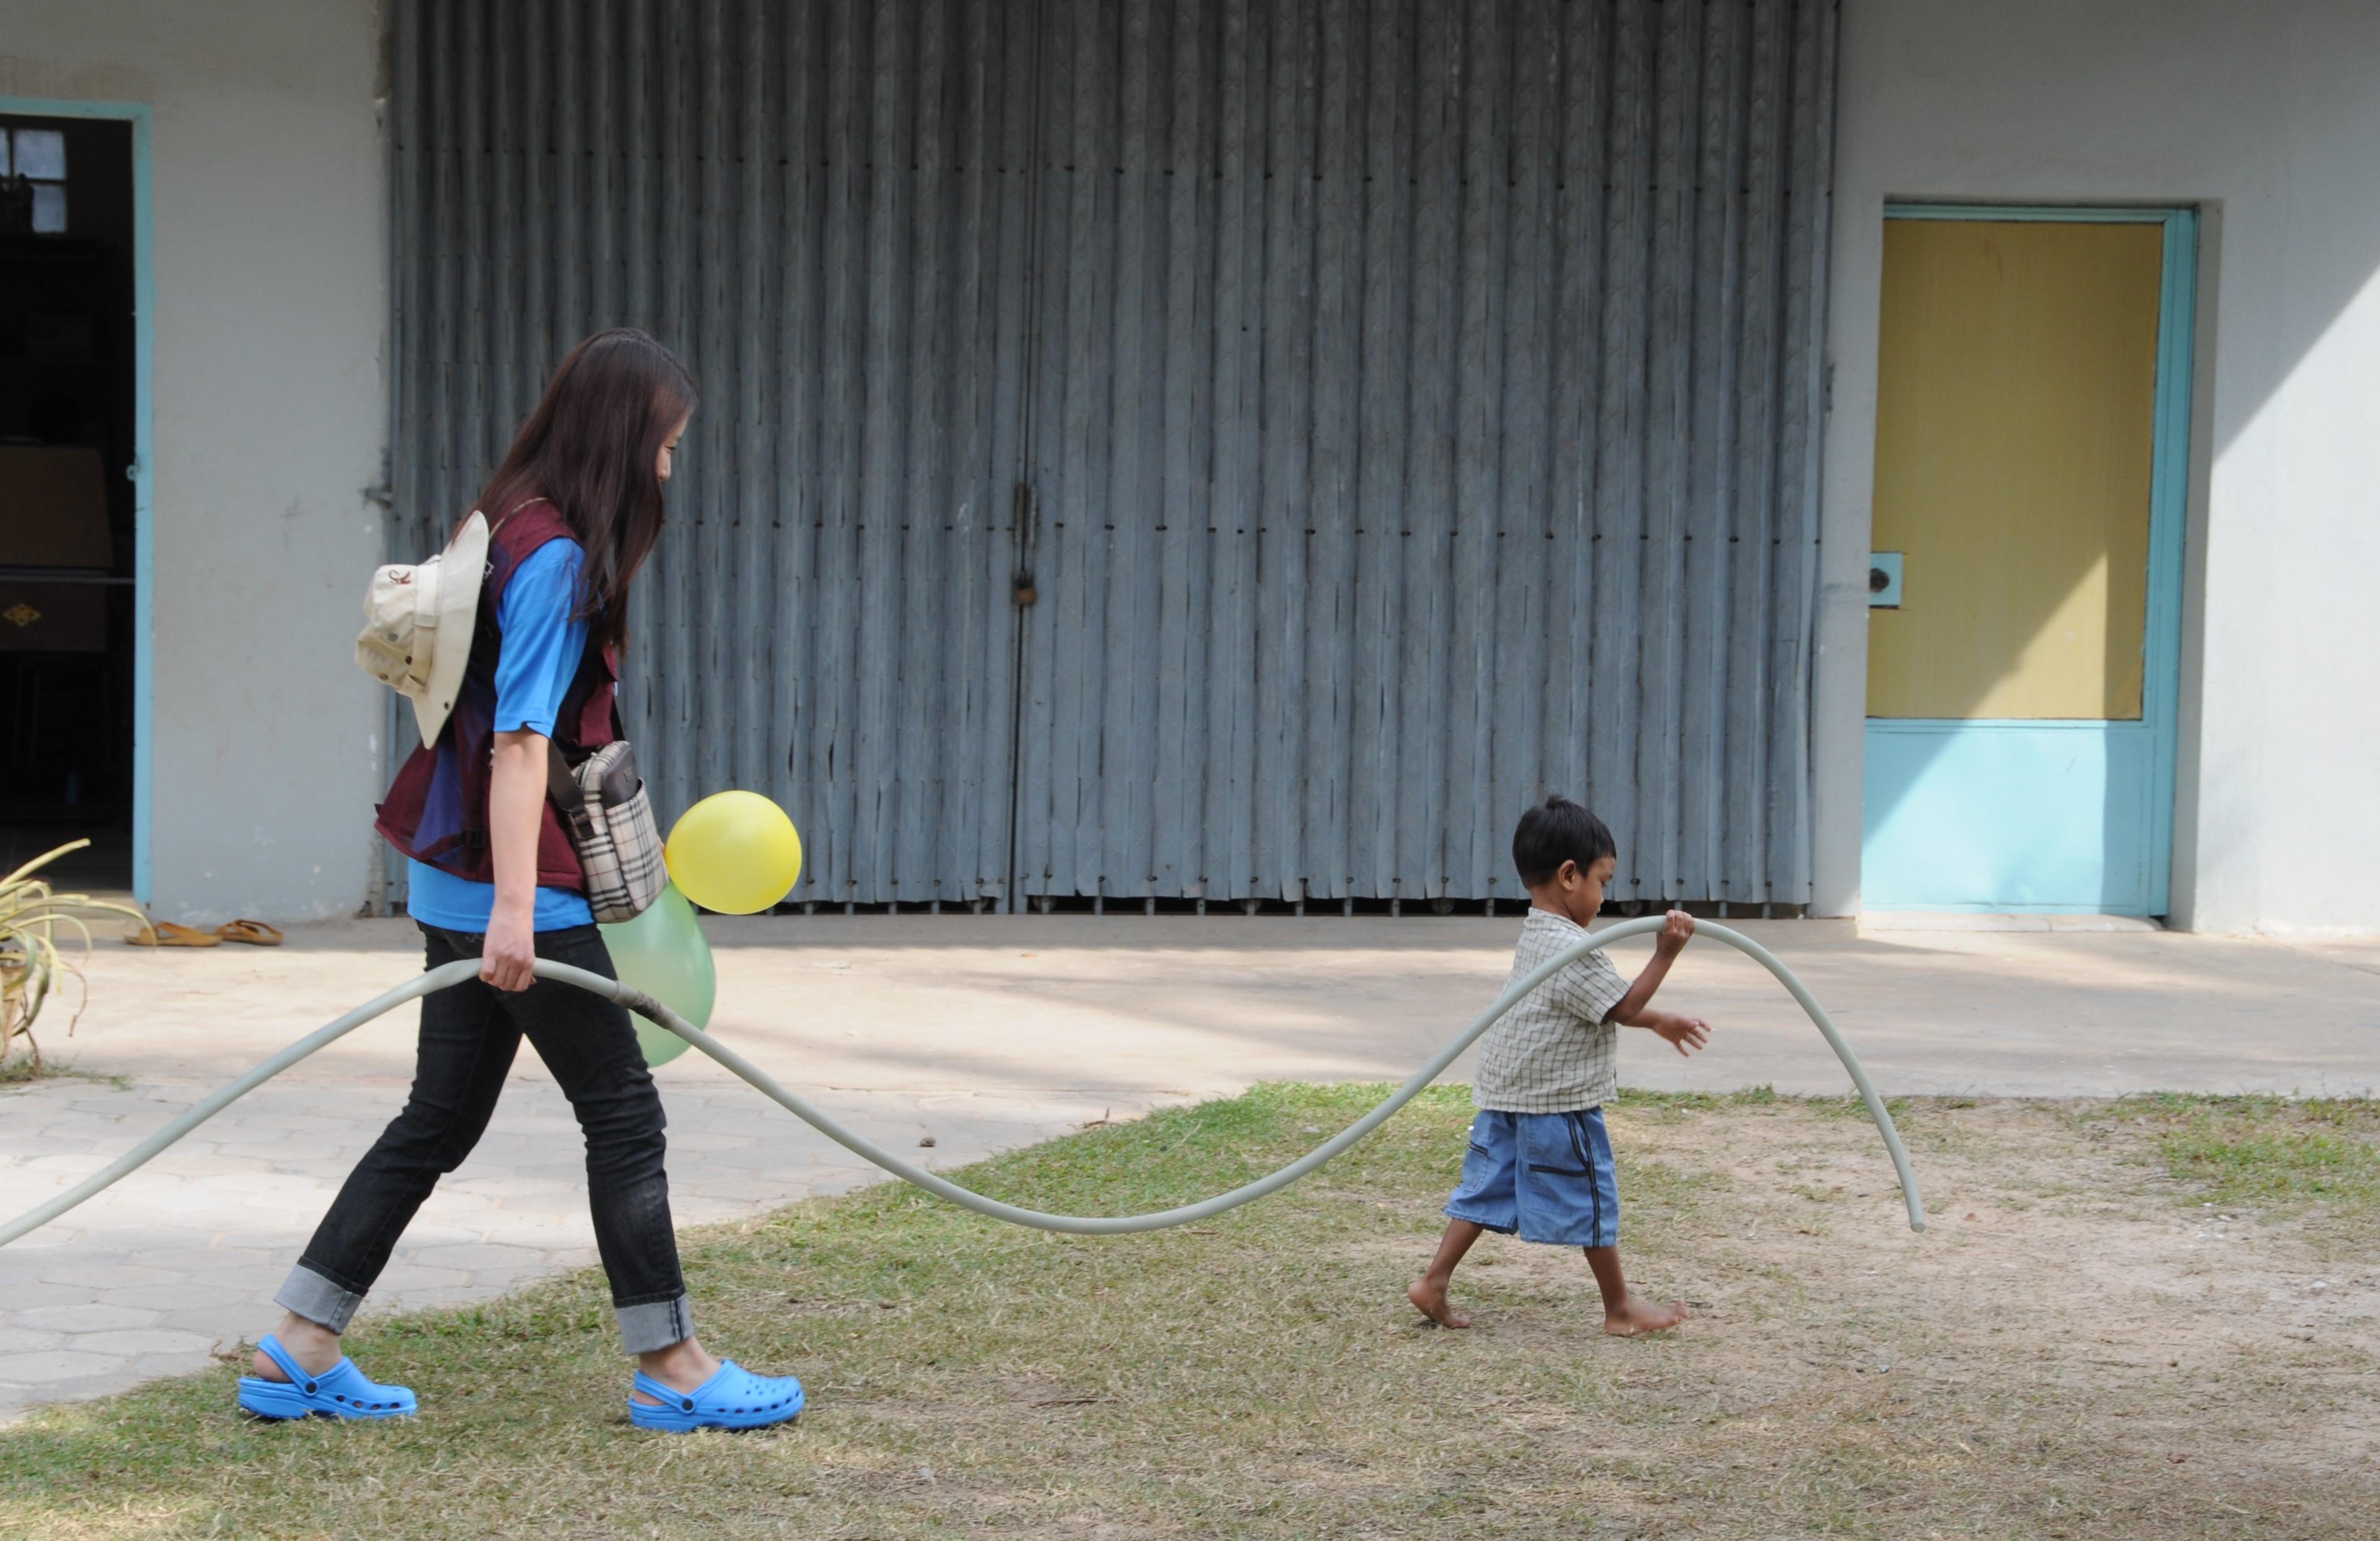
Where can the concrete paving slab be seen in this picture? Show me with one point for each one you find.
(50, 1365)
(83, 1318)
(988, 1033)
(230, 1324)
(25, 1294)
(183, 1294)
(187, 1261)
(96, 1276)
(133, 1343)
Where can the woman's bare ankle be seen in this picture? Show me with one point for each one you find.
(685, 1365)
(314, 1346)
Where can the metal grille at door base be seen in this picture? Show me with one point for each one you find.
(1391, 411)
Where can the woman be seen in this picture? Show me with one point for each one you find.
(575, 509)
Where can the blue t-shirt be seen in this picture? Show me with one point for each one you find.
(542, 648)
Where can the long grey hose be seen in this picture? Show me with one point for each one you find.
(1089, 1225)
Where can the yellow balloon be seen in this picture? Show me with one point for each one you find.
(735, 852)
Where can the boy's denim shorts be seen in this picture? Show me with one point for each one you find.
(1545, 1176)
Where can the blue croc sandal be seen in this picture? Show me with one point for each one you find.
(734, 1397)
(341, 1391)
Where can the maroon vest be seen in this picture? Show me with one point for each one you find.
(437, 811)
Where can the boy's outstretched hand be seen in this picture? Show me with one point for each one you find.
(1687, 1034)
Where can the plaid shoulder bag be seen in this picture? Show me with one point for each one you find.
(609, 817)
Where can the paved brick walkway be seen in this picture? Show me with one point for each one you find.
(988, 1034)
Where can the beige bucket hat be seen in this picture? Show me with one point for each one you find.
(418, 624)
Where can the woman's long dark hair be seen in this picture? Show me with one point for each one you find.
(590, 448)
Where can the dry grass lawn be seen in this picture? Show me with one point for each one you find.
(2151, 1318)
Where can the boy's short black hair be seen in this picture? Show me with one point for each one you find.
(1557, 830)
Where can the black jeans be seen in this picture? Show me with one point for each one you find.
(470, 1034)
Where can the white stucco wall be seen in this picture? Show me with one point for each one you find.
(2267, 118)
(268, 398)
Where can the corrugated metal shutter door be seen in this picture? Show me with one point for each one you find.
(822, 207)
(1419, 405)
(1425, 418)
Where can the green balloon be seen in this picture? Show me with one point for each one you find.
(662, 952)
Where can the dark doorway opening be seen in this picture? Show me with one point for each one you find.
(67, 390)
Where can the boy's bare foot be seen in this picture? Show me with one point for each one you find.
(1429, 1298)
(1634, 1319)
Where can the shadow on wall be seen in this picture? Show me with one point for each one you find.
(2266, 114)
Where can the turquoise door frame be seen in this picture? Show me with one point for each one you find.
(144, 535)
(1956, 816)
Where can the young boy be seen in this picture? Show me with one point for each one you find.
(1539, 1162)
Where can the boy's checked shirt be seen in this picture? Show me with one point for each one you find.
(1554, 1052)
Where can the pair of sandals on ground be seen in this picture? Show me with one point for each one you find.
(734, 1398)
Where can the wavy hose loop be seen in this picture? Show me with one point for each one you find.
(1087, 1225)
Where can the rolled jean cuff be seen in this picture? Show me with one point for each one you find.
(308, 1295)
(654, 1325)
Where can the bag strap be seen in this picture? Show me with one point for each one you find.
(561, 784)
(526, 503)
(506, 517)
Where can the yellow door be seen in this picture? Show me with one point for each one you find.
(2016, 440)
(2014, 418)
